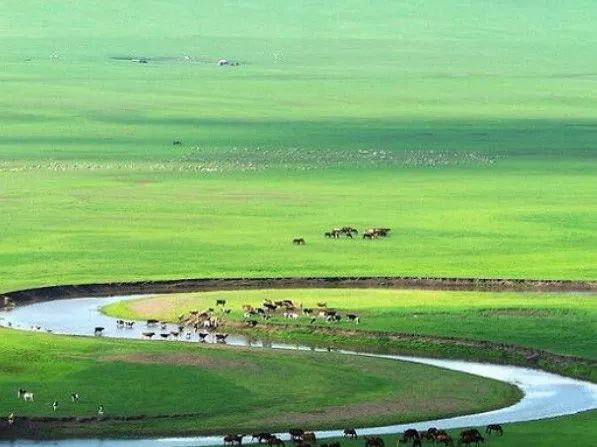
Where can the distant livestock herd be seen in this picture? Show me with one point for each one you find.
(349, 232)
(302, 438)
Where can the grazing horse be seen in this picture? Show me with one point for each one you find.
(165, 335)
(74, 397)
(469, 439)
(374, 441)
(203, 336)
(309, 437)
(262, 437)
(367, 236)
(444, 439)
(409, 434)
(152, 323)
(494, 428)
(147, 335)
(275, 441)
(220, 302)
(233, 439)
(296, 433)
(298, 241)
(350, 433)
(98, 331)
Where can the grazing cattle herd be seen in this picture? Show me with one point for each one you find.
(301, 438)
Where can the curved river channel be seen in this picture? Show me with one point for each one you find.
(545, 394)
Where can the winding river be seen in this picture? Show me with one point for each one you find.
(546, 395)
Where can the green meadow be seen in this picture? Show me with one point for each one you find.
(524, 319)
(469, 129)
(179, 388)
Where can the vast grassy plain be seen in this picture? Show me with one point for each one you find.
(470, 130)
(212, 389)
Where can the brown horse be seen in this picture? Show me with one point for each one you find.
(444, 439)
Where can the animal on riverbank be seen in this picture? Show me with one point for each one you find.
(203, 336)
(233, 439)
(444, 438)
(494, 428)
(98, 331)
(274, 441)
(298, 241)
(220, 303)
(470, 436)
(350, 433)
(221, 338)
(354, 318)
(410, 434)
(296, 434)
(309, 437)
(147, 335)
(152, 323)
(261, 437)
(119, 324)
(374, 441)
(10, 419)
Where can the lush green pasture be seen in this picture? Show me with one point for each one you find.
(546, 433)
(225, 389)
(469, 129)
(526, 319)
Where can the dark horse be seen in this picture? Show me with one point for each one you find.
(494, 428)
(298, 241)
(374, 441)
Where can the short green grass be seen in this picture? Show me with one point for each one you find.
(578, 428)
(468, 129)
(526, 319)
(224, 389)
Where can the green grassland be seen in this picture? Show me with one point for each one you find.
(579, 428)
(223, 390)
(468, 128)
(526, 319)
